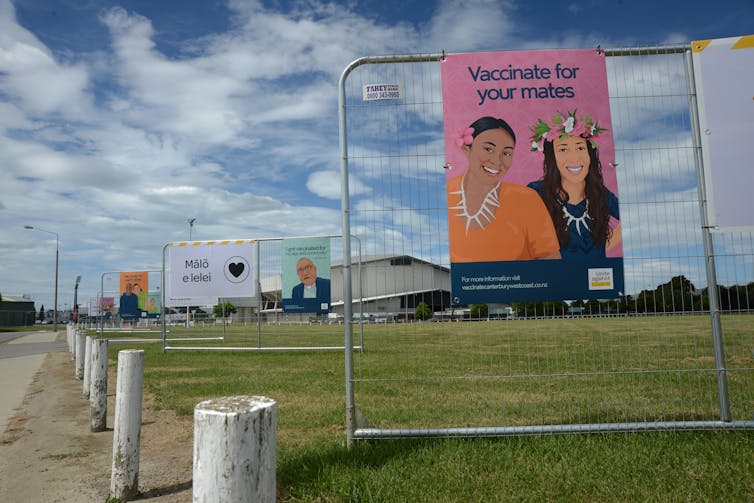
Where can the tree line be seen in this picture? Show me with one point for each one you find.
(677, 295)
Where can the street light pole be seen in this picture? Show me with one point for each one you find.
(57, 254)
(76, 300)
(191, 225)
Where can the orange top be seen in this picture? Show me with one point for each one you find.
(521, 229)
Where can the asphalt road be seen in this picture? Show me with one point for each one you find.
(21, 356)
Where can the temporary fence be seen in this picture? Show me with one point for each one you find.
(675, 352)
(261, 322)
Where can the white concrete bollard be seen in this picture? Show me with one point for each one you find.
(80, 343)
(98, 386)
(74, 336)
(234, 449)
(87, 366)
(124, 481)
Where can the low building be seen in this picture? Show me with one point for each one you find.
(389, 287)
(17, 311)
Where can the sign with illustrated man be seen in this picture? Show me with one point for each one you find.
(306, 275)
(203, 270)
(531, 186)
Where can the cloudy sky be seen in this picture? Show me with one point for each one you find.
(121, 120)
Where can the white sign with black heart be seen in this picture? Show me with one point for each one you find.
(202, 270)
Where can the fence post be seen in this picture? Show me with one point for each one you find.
(87, 366)
(74, 337)
(234, 449)
(124, 482)
(69, 337)
(80, 341)
(98, 386)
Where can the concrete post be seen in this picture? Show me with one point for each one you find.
(87, 366)
(124, 481)
(80, 343)
(74, 337)
(234, 449)
(98, 386)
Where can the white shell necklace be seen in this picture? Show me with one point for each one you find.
(579, 221)
(485, 214)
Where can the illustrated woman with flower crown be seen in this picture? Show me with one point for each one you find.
(491, 220)
(572, 186)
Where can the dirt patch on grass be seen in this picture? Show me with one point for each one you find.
(48, 453)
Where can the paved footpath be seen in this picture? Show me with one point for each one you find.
(21, 356)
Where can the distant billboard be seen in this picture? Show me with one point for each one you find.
(134, 288)
(306, 275)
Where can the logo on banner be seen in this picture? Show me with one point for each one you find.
(601, 279)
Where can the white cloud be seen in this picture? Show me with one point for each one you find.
(327, 184)
(471, 25)
(13, 117)
(28, 68)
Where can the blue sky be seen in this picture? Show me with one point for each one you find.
(120, 120)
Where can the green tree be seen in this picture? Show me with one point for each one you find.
(423, 311)
(678, 294)
(479, 311)
(42, 313)
(225, 307)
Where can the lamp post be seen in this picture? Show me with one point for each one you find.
(75, 314)
(57, 253)
(191, 225)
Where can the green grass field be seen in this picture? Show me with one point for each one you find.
(480, 374)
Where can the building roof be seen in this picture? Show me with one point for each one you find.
(15, 298)
(408, 260)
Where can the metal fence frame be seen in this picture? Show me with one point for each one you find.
(725, 422)
(100, 328)
(259, 346)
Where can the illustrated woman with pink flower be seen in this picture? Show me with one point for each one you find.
(491, 220)
(572, 186)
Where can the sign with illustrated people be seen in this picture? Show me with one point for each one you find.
(106, 306)
(306, 275)
(134, 288)
(136, 301)
(530, 174)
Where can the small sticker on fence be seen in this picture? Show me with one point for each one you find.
(373, 92)
(601, 278)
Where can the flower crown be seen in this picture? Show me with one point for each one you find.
(562, 125)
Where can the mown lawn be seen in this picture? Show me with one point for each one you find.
(484, 373)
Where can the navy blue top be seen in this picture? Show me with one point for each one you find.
(129, 306)
(581, 245)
